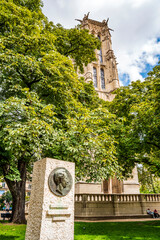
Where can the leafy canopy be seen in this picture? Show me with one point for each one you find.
(46, 110)
(137, 106)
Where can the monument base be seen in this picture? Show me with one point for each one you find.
(51, 212)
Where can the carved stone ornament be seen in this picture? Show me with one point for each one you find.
(60, 181)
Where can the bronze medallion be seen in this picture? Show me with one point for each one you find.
(60, 181)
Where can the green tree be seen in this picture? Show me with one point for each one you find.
(7, 197)
(137, 107)
(45, 109)
(27, 127)
(89, 143)
(149, 183)
(73, 42)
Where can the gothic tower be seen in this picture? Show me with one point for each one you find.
(102, 72)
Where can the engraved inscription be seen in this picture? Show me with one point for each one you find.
(58, 213)
(60, 181)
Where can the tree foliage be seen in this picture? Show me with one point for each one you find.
(45, 109)
(6, 197)
(72, 42)
(89, 144)
(149, 183)
(137, 106)
(27, 127)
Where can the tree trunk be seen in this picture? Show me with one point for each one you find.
(17, 190)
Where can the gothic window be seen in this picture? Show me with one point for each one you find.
(100, 56)
(95, 77)
(102, 79)
(100, 52)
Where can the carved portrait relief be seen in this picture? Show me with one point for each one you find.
(60, 181)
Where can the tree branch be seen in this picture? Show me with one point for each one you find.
(154, 144)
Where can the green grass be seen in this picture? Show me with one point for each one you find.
(118, 230)
(96, 231)
(12, 232)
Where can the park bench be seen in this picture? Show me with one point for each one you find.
(6, 215)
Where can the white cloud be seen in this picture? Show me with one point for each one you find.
(152, 60)
(138, 3)
(121, 83)
(135, 23)
(134, 63)
(61, 3)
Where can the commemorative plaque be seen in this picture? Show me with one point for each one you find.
(60, 181)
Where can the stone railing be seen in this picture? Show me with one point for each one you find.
(117, 197)
(100, 205)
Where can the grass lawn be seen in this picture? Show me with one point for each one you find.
(118, 230)
(12, 232)
(95, 231)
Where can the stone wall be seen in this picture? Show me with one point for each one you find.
(84, 187)
(101, 205)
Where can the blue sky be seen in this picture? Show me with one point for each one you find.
(136, 24)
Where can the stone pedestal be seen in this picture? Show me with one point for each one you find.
(51, 212)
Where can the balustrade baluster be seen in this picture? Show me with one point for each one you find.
(154, 198)
(88, 198)
(80, 198)
(92, 198)
(118, 198)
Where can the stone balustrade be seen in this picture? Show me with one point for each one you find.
(118, 197)
(101, 205)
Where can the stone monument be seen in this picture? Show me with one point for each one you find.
(51, 212)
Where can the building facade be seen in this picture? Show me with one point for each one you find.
(4, 188)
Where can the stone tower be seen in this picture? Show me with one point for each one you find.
(102, 72)
(104, 75)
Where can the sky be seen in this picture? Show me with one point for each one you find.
(136, 25)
